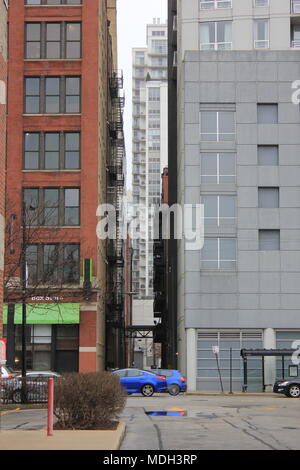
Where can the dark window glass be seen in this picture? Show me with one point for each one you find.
(71, 206)
(53, 40)
(52, 151)
(32, 91)
(72, 104)
(71, 264)
(32, 145)
(33, 40)
(51, 203)
(73, 40)
(269, 240)
(31, 200)
(50, 263)
(32, 264)
(72, 150)
(52, 95)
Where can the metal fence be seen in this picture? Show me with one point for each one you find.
(23, 390)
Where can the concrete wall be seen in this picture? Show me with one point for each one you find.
(242, 15)
(263, 290)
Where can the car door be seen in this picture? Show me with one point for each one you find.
(122, 376)
(134, 380)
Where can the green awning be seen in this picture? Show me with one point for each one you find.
(45, 314)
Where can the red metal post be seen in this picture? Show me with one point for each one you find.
(50, 406)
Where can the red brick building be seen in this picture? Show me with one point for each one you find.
(3, 81)
(60, 66)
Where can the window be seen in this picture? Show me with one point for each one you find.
(269, 240)
(219, 210)
(296, 34)
(219, 253)
(53, 263)
(268, 155)
(53, 2)
(158, 33)
(267, 113)
(32, 95)
(52, 151)
(218, 168)
(295, 6)
(71, 264)
(216, 35)
(159, 46)
(72, 99)
(268, 198)
(261, 34)
(33, 40)
(261, 3)
(217, 126)
(53, 40)
(134, 373)
(52, 206)
(71, 206)
(52, 95)
(214, 4)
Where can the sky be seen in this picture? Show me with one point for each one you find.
(133, 16)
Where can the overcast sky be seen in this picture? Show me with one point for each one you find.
(133, 16)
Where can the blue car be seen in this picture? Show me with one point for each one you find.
(141, 381)
(175, 380)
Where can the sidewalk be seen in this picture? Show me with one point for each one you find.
(62, 440)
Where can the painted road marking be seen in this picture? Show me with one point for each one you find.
(10, 411)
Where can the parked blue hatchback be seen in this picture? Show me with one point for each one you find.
(141, 381)
(175, 380)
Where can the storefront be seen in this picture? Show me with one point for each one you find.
(52, 336)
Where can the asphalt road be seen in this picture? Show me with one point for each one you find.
(213, 423)
(238, 422)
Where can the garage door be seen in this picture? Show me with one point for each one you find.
(207, 369)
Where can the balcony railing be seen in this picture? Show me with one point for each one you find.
(214, 4)
(261, 44)
(261, 3)
(295, 6)
(296, 44)
(216, 46)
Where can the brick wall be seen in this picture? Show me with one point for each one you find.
(3, 73)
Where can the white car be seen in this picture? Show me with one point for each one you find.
(7, 372)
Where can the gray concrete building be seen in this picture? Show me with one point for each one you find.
(238, 154)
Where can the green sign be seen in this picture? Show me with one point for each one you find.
(46, 314)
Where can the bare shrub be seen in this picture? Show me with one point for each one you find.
(88, 401)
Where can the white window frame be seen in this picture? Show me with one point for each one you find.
(261, 3)
(219, 217)
(218, 254)
(261, 43)
(217, 133)
(295, 6)
(217, 175)
(216, 46)
(215, 4)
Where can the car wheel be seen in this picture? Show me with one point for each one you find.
(174, 389)
(17, 396)
(294, 391)
(147, 390)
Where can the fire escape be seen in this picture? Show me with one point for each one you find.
(115, 256)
